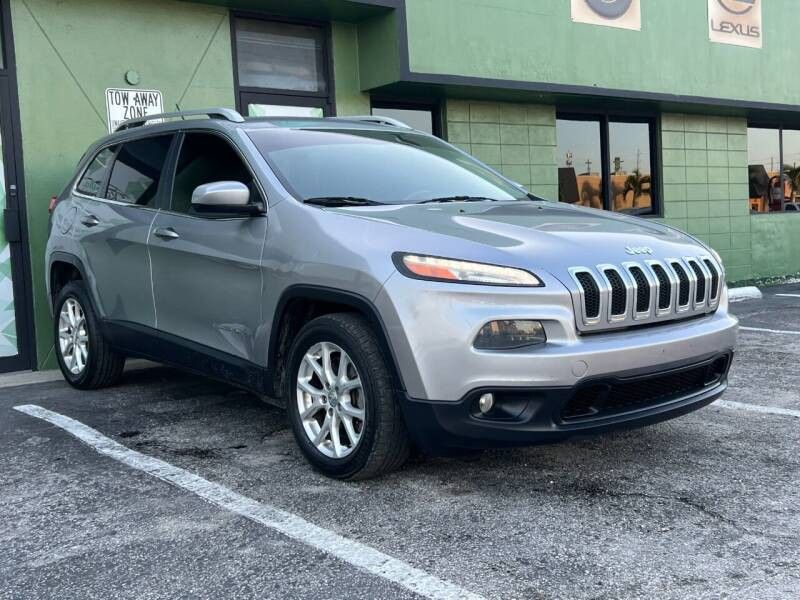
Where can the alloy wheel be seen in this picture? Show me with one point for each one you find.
(73, 336)
(330, 400)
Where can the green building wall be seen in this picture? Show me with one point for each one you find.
(69, 53)
(537, 41)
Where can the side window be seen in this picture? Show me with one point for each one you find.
(95, 173)
(205, 158)
(137, 170)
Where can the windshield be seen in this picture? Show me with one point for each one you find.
(385, 167)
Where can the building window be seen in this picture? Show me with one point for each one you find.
(606, 161)
(423, 117)
(281, 68)
(773, 165)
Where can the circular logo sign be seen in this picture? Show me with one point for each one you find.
(610, 9)
(738, 7)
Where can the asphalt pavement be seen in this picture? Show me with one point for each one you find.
(704, 506)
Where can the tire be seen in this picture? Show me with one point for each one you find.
(101, 366)
(383, 443)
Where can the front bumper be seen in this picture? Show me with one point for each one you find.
(431, 328)
(529, 416)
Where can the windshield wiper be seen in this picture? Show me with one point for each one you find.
(335, 201)
(459, 199)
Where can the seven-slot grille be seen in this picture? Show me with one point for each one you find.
(634, 293)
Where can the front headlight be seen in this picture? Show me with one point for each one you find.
(461, 271)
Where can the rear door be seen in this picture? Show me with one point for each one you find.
(207, 268)
(118, 199)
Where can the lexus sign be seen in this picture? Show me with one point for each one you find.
(611, 13)
(735, 22)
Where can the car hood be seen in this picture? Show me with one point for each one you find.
(547, 234)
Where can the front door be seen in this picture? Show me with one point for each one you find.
(15, 347)
(206, 267)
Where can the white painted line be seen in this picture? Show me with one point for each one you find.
(761, 329)
(773, 410)
(744, 293)
(788, 295)
(357, 554)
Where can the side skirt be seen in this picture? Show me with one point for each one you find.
(138, 341)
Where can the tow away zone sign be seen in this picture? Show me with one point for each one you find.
(123, 104)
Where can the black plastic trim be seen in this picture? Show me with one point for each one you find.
(440, 427)
(141, 341)
(337, 296)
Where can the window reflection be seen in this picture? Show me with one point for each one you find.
(580, 179)
(631, 182)
(764, 169)
(791, 169)
(624, 183)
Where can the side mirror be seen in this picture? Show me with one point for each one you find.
(223, 197)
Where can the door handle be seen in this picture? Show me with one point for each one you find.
(166, 233)
(90, 221)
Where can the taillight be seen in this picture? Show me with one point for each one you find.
(52, 206)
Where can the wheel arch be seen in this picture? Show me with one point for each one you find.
(299, 304)
(62, 268)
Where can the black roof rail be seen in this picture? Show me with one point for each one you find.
(228, 114)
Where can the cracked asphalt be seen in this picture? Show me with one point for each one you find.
(704, 506)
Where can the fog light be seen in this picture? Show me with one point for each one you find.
(508, 335)
(486, 403)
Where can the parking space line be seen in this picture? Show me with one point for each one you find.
(773, 410)
(788, 295)
(761, 329)
(357, 554)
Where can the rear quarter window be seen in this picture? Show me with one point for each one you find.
(95, 174)
(137, 171)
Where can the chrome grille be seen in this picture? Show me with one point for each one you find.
(664, 287)
(683, 284)
(642, 289)
(700, 293)
(714, 293)
(614, 296)
(591, 295)
(619, 293)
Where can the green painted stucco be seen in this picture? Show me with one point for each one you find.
(776, 245)
(68, 53)
(350, 100)
(536, 41)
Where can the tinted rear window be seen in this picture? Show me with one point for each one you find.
(95, 174)
(138, 169)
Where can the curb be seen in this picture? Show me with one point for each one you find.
(749, 292)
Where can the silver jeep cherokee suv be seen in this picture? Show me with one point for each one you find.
(385, 287)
